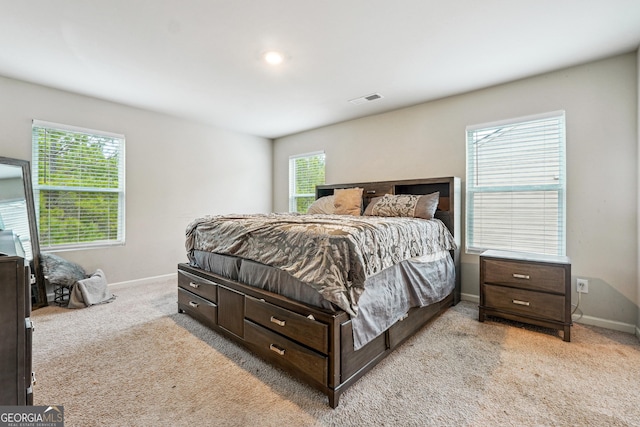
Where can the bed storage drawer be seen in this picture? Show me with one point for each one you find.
(286, 353)
(197, 307)
(197, 285)
(306, 331)
(523, 302)
(407, 326)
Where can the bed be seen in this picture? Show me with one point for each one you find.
(326, 296)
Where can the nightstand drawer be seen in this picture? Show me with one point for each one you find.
(523, 302)
(525, 275)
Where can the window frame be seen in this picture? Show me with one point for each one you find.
(559, 186)
(293, 196)
(120, 190)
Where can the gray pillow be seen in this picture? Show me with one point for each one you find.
(324, 205)
(60, 271)
(405, 205)
(427, 205)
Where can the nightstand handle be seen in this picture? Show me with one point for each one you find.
(521, 276)
(517, 301)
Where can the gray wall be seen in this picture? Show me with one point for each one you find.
(428, 140)
(176, 170)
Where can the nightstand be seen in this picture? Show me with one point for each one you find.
(528, 288)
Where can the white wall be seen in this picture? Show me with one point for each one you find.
(428, 140)
(176, 170)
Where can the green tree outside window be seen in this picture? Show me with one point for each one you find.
(305, 172)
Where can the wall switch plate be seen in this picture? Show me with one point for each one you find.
(582, 285)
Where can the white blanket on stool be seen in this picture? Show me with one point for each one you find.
(87, 292)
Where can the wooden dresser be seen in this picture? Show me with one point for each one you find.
(528, 288)
(15, 333)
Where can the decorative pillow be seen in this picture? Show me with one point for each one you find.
(324, 205)
(407, 205)
(427, 205)
(60, 271)
(348, 201)
(369, 208)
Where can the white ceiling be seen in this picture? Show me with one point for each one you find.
(201, 59)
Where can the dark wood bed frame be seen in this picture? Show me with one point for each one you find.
(313, 344)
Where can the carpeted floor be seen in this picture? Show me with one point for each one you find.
(137, 362)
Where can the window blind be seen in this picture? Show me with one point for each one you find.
(305, 172)
(79, 186)
(516, 185)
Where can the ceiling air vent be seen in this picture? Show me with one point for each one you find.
(367, 98)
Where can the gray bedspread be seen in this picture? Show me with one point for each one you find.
(334, 254)
(390, 294)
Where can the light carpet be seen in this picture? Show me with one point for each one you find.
(137, 362)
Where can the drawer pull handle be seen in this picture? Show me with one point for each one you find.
(521, 276)
(278, 321)
(517, 301)
(371, 191)
(194, 285)
(193, 304)
(277, 349)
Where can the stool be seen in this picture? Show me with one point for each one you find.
(61, 293)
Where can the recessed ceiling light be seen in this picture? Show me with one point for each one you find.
(273, 57)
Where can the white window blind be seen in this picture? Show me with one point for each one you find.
(516, 185)
(305, 172)
(79, 186)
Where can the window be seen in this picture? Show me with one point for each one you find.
(516, 185)
(305, 172)
(78, 180)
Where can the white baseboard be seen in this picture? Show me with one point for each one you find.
(470, 297)
(608, 324)
(586, 320)
(144, 281)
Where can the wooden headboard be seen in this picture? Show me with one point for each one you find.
(448, 187)
(448, 210)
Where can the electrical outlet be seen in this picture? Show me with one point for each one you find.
(582, 285)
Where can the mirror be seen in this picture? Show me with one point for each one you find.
(18, 223)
